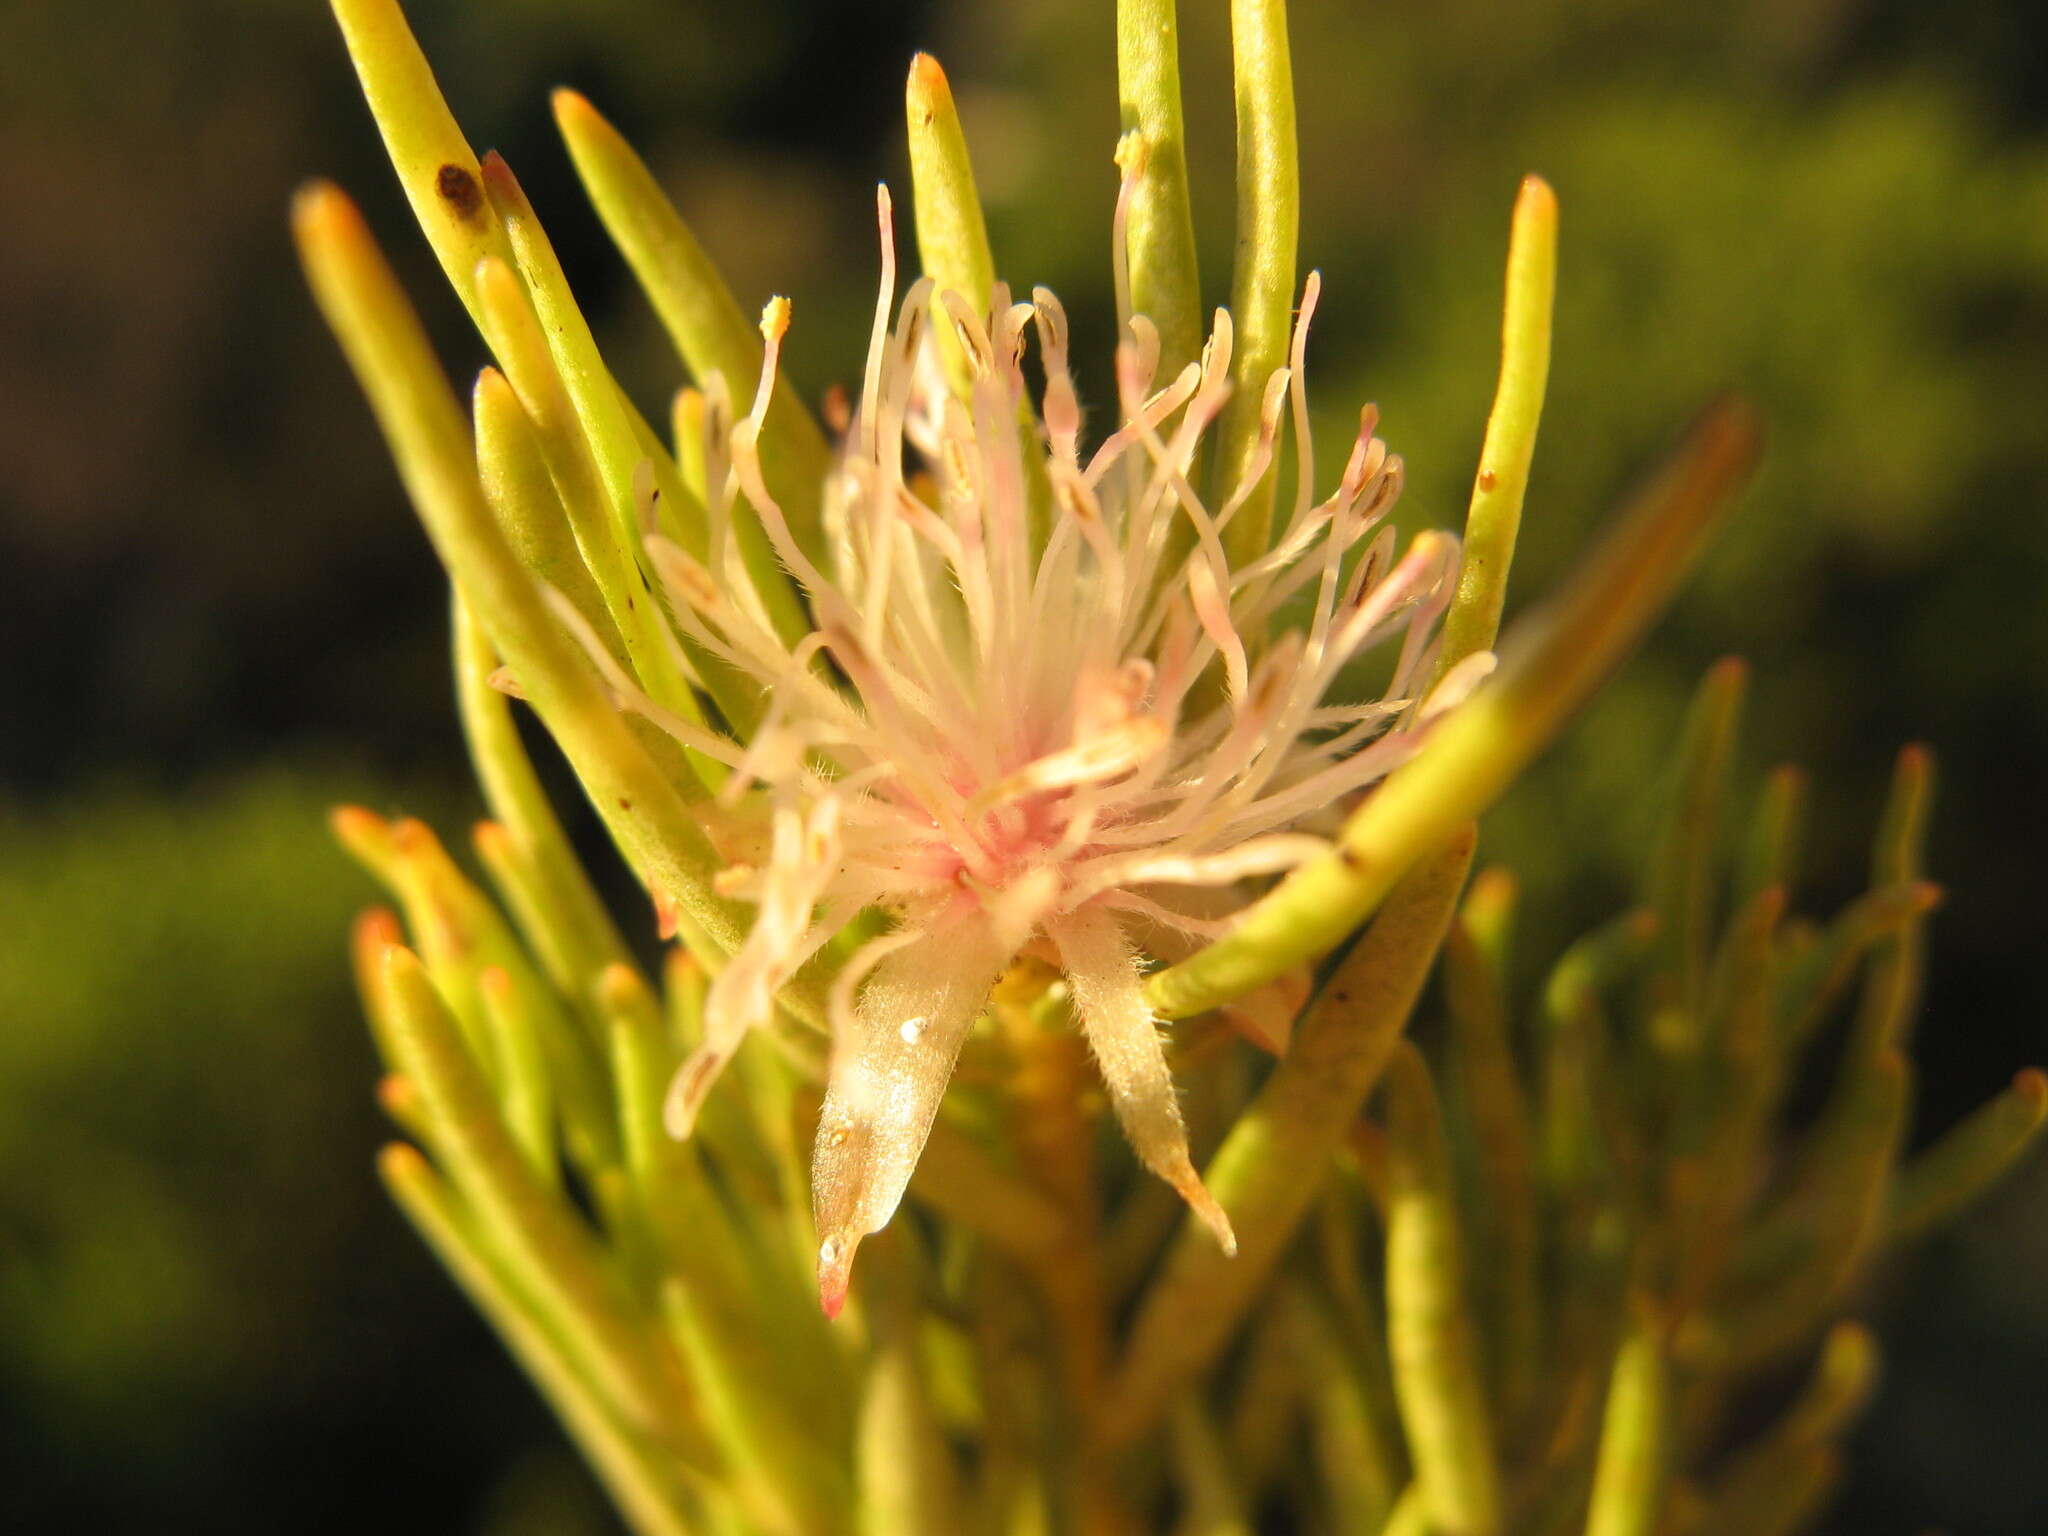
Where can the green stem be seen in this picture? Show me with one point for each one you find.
(1270, 1166)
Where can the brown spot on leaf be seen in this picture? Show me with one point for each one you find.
(1487, 480)
(458, 189)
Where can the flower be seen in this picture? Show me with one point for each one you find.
(1040, 711)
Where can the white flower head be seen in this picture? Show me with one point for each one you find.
(1039, 710)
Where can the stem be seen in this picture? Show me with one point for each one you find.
(1270, 1166)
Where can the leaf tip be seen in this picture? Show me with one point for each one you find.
(2031, 1085)
(400, 1162)
(361, 832)
(835, 1272)
(1535, 199)
(573, 111)
(928, 89)
(321, 210)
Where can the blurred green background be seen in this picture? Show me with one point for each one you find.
(218, 617)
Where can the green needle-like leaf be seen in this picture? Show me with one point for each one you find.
(607, 426)
(1262, 275)
(952, 239)
(546, 1250)
(1843, 1379)
(1891, 982)
(1359, 1469)
(375, 930)
(1437, 1378)
(1628, 1480)
(1816, 978)
(1495, 516)
(1203, 1475)
(528, 1089)
(909, 1485)
(525, 849)
(1776, 1483)
(1488, 917)
(1771, 853)
(530, 1047)
(1968, 1159)
(516, 334)
(1494, 1104)
(1411, 1516)
(699, 312)
(1776, 1494)
(1682, 875)
(1588, 1141)
(519, 483)
(1719, 1129)
(423, 425)
(643, 1479)
(1266, 1403)
(1165, 285)
(436, 167)
(1828, 1222)
(794, 1483)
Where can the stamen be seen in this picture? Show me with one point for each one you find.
(871, 380)
(626, 694)
(1261, 856)
(1131, 155)
(1015, 749)
(1297, 363)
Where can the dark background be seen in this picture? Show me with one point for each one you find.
(217, 616)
